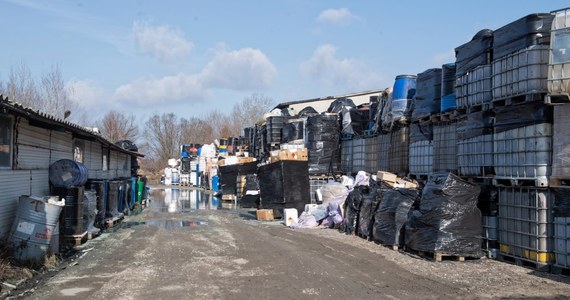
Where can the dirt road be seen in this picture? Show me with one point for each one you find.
(172, 253)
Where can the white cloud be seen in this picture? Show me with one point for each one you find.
(325, 69)
(86, 92)
(244, 69)
(339, 16)
(162, 42)
(234, 70)
(162, 90)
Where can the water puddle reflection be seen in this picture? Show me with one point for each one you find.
(175, 200)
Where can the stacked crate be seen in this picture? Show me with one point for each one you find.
(426, 103)
(560, 182)
(522, 140)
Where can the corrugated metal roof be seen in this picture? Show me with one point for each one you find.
(287, 104)
(38, 115)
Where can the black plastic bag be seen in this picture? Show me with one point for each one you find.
(448, 220)
(392, 215)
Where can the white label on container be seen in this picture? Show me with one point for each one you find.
(25, 227)
(66, 176)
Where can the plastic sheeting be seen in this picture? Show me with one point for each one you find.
(284, 184)
(448, 220)
(323, 144)
(561, 202)
(250, 198)
(371, 198)
(294, 130)
(530, 30)
(517, 116)
(307, 112)
(333, 217)
(392, 215)
(351, 209)
(474, 53)
(353, 121)
(475, 124)
(422, 131)
(428, 94)
(229, 174)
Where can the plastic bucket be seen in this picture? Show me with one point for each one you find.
(404, 87)
(67, 173)
(35, 224)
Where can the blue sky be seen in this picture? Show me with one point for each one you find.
(190, 57)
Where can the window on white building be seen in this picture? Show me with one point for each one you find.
(5, 141)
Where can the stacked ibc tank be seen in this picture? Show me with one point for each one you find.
(559, 87)
(522, 140)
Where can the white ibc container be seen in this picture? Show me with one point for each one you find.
(526, 223)
(346, 156)
(523, 72)
(445, 147)
(490, 235)
(559, 60)
(479, 85)
(562, 241)
(421, 158)
(358, 154)
(384, 141)
(461, 92)
(524, 152)
(371, 155)
(561, 142)
(475, 156)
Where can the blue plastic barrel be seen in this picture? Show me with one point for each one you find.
(216, 183)
(404, 87)
(402, 94)
(448, 98)
(67, 173)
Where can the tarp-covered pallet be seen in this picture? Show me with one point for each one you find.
(448, 222)
(284, 184)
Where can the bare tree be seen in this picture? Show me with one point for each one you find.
(250, 110)
(21, 86)
(54, 96)
(116, 126)
(163, 136)
(196, 130)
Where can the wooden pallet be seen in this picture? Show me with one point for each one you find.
(444, 116)
(523, 262)
(520, 182)
(436, 256)
(474, 108)
(114, 221)
(421, 119)
(517, 100)
(559, 182)
(74, 240)
(91, 235)
(556, 99)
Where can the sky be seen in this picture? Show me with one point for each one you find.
(192, 57)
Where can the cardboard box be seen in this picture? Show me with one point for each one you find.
(294, 154)
(265, 214)
(243, 160)
(387, 176)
